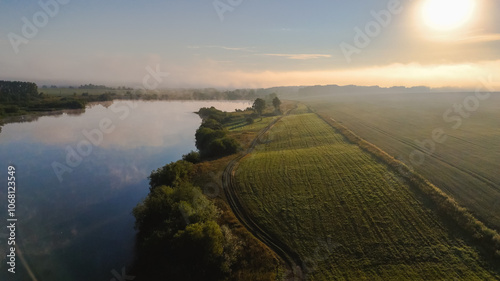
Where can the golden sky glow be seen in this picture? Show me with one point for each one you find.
(470, 75)
(445, 15)
(436, 43)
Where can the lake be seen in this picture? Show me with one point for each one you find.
(78, 177)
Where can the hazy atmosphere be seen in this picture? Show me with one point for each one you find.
(249, 43)
(249, 140)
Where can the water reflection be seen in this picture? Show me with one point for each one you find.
(135, 124)
(35, 116)
(81, 228)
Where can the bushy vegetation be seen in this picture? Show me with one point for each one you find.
(178, 232)
(22, 97)
(51, 103)
(15, 92)
(183, 235)
(171, 174)
(192, 157)
(211, 137)
(206, 113)
(347, 214)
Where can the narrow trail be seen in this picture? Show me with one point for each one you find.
(292, 259)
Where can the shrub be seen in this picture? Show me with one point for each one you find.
(231, 145)
(221, 147)
(11, 109)
(171, 174)
(211, 137)
(212, 124)
(192, 157)
(74, 104)
(204, 136)
(212, 113)
(178, 231)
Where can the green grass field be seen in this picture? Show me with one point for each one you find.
(466, 165)
(345, 213)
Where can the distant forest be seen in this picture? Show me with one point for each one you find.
(17, 92)
(19, 98)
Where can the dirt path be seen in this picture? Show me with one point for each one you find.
(292, 259)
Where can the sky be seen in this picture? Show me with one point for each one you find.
(251, 44)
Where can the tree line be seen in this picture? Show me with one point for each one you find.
(183, 234)
(178, 232)
(23, 97)
(14, 92)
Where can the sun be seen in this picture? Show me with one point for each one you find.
(447, 15)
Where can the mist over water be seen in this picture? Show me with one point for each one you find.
(81, 228)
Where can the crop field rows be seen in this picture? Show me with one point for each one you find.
(465, 165)
(344, 213)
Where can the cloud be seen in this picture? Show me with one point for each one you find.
(467, 37)
(299, 56)
(124, 175)
(466, 75)
(481, 38)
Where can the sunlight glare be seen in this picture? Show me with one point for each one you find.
(446, 15)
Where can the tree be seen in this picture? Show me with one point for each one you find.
(18, 92)
(171, 174)
(259, 105)
(212, 124)
(211, 113)
(204, 136)
(178, 231)
(193, 157)
(200, 245)
(276, 103)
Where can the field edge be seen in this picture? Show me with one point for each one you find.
(487, 238)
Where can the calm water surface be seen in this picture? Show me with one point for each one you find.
(78, 176)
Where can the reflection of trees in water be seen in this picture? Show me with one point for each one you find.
(75, 112)
(20, 119)
(105, 104)
(35, 117)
